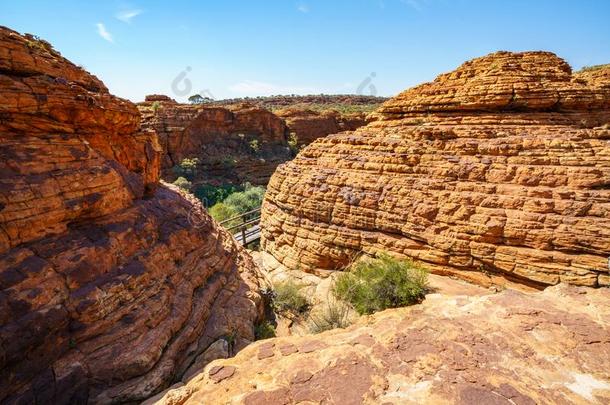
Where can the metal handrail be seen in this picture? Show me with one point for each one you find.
(252, 221)
(240, 216)
(243, 227)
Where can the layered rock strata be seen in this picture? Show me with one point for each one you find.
(499, 168)
(234, 144)
(549, 347)
(111, 284)
(309, 125)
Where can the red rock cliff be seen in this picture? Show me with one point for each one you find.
(236, 144)
(501, 167)
(110, 283)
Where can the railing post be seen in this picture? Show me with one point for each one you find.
(243, 231)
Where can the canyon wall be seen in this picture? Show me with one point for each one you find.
(309, 125)
(498, 170)
(234, 144)
(111, 283)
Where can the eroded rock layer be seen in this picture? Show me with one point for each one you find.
(549, 347)
(234, 144)
(110, 283)
(309, 125)
(501, 167)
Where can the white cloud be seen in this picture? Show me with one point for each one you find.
(303, 8)
(101, 29)
(251, 87)
(413, 3)
(127, 15)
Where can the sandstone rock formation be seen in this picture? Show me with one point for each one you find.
(501, 167)
(235, 144)
(111, 284)
(309, 125)
(550, 347)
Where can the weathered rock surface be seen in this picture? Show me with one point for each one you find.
(501, 167)
(234, 144)
(111, 284)
(550, 347)
(309, 125)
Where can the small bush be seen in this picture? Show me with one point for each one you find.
(289, 298)
(187, 168)
(228, 162)
(335, 315)
(211, 195)
(385, 282)
(293, 143)
(255, 146)
(264, 330)
(221, 212)
(155, 106)
(183, 183)
(247, 200)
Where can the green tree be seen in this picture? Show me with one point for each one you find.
(195, 99)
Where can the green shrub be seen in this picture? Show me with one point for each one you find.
(384, 282)
(247, 200)
(187, 168)
(289, 298)
(183, 183)
(255, 145)
(211, 195)
(155, 106)
(221, 212)
(228, 162)
(293, 143)
(335, 315)
(264, 330)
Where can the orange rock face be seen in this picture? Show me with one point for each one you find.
(310, 125)
(501, 167)
(236, 144)
(548, 347)
(110, 283)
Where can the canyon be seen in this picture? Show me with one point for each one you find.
(117, 287)
(111, 283)
(244, 140)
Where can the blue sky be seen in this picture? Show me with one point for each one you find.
(236, 48)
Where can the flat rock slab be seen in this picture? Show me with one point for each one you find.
(508, 348)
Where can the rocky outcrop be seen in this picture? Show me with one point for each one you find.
(309, 125)
(499, 168)
(111, 284)
(235, 144)
(549, 347)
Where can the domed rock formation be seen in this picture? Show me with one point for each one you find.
(234, 144)
(111, 284)
(548, 347)
(499, 168)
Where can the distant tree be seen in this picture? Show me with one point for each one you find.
(196, 99)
